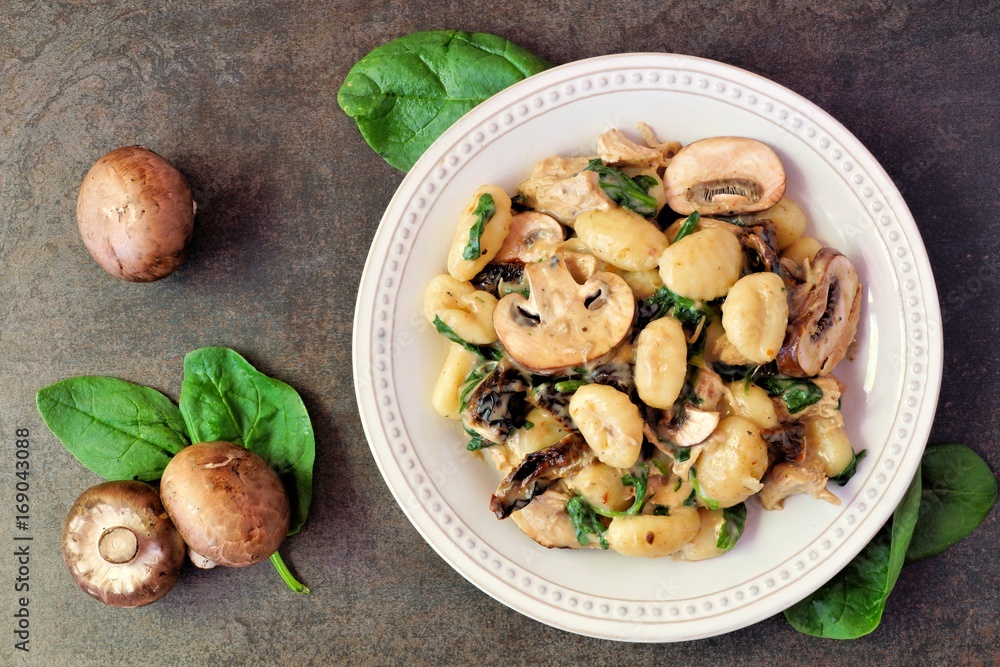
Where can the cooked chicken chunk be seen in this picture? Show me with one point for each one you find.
(787, 479)
(545, 521)
(616, 149)
(561, 188)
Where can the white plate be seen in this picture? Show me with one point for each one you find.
(893, 379)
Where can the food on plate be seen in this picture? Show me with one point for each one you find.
(135, 212)
(637, 369)
(120, 546)
(227, 503)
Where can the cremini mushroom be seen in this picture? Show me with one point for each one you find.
(724, 176)
(532, 236)
(563, 323)
(823, 316)
(136, 214)
(538, 471)
(227, 503)
(120, 546)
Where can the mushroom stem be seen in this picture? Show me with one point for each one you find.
(287, 576)
(118, 545)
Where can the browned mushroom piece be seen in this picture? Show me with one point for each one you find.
(562, 323)
(120, 546)
(532, 236)
(227, 503)
(823, 316)
(136, 214)
(537, 471)
(724, 176)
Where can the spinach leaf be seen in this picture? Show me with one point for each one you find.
(622, 189)
(484, 351)
(734, 520)
(472, 380)
(693, 478)
(640, 482)
(851, 604)
(404, 94)
(843, 478)
(796, 393)
(585, 522)
(223, 397)
(569, 386)
(645, 181)
(732, 373)
(115, 428)
(664, 301)
(688, 226)
(484, 212)
(959, 490)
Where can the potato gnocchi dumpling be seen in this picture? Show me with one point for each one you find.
(656, 316)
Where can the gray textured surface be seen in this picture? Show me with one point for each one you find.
(241, 97)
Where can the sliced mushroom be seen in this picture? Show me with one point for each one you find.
(786, 441)
(546, 521)
(561, 188)
(501, 279)
(533, 236)
(690, 427)
(724, 176)
(539, 470)
(496, 407)
(562, 323)
(787, 479)
(823, 316)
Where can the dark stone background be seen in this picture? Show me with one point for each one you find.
(241, 96)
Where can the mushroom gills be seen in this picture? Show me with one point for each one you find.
(732, 193)
(497, 406)
(538, 471)
(823, 316)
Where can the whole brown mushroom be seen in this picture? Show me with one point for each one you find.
(227, 503)
(136, 214)
(120, 546)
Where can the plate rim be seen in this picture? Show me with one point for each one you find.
(418, 514)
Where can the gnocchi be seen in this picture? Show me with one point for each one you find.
(633, 399)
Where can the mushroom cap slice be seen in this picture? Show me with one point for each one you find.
(823, 316)
(120, 546)
(227, 503)
(724, 176)
(563, 323)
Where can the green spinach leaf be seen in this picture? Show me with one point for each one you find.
(796, 393)
(484, 351)
(851, 604)
(852, 468)
(404, 94)
(484, 212)
(959, 490)
(664, 301)
(693, 478)
(115, 428)
(734, 520)
(585, 522)
(688, 226)
(622, 189)
(223, 397)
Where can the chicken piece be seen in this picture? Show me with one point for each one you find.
(561, 188)
(667, 149)
(827, 407)
(546, 521)
(615, 149)
(709, 388)
(787, 479)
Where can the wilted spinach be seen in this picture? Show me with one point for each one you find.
(585, 522)
(693, 478)
(404, 94)
(484, 351)
(622, 189)
(115, 428)
(796, 393)
(844, 477)
(688, 226)
(484, 212)
(664, 301)
(733, 521)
